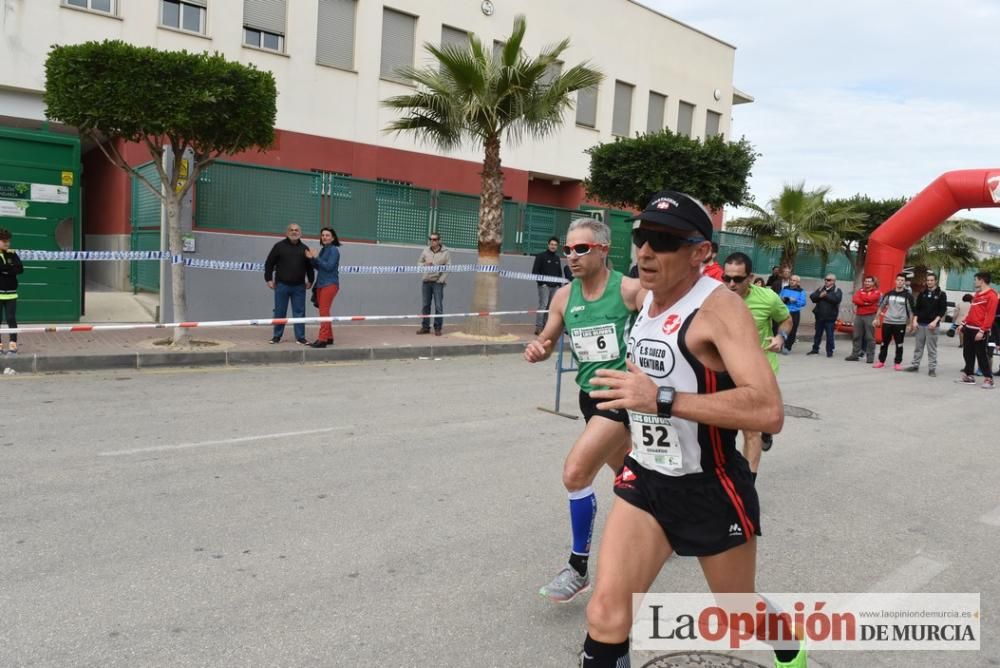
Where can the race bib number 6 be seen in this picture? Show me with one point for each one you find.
(655, 441)
(596, 344)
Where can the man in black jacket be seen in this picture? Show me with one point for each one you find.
(547, 263)
(289, 273)
(10, 267)
(827, 299)
(928, 311)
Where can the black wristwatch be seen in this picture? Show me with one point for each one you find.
(665, 401)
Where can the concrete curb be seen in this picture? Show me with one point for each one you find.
(35, 363)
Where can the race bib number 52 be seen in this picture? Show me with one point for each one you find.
(596, 344)
(655, 441)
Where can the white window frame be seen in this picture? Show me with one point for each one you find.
(260, 41)
(203, 17)
(89, 8)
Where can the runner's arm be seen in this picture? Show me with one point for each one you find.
(541, 348)
(724, 325)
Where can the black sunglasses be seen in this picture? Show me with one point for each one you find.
(734, 279)
(661, 242)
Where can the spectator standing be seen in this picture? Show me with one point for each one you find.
(326, 261)
(794, 297)
(784, 280)
(774, 279)
(895, 312)
(10, 268)
(289, 273)
(759, 282)
(547, 263)
(928, 310)
(433, 283)
(866, 301)
(975, 331)
(827, 299)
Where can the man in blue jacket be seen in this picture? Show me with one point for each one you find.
(794, 298)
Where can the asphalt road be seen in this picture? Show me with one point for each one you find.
(404, 513)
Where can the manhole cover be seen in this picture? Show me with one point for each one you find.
(700, 660)
(799, 412)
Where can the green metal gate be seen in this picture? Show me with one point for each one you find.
(146, 220)
(40, 205)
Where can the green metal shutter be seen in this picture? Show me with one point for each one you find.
(335, 33)
(397, 43)
(266, 15)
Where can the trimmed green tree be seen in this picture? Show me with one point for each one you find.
(628, 171)
(473, 95)
(168, 101)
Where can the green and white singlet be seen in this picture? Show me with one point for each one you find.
(598, 329)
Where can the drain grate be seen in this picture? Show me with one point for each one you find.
(700, 660)
(799, 412)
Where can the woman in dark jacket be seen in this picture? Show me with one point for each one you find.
(327, 264)
(10, 267)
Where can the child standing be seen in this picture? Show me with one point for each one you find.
(10, 267)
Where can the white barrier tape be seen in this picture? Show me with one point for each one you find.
(235, 265)
(270, 322)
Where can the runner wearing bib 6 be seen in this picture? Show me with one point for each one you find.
(695, 376)
(596, 308)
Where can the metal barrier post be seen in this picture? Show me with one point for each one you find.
(560, 370)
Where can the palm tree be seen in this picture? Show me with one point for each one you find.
(798, 219)
(472, 94)
(948, 247)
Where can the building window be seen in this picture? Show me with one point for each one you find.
(654, 116)
(188, 15)
(586, 107)
(398, 42)
(712, 121)
(685, 118)
(552, 72)
(264, 24)
(105, 6)
(454, 37)
(335, 33)
(621, 120)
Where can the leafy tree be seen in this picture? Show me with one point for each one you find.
(472, 95)
(991, 265)
(948, 247)
(854, 242)
(168, 101)
(627, 172)
(798, 219)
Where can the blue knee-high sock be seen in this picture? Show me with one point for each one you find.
(582, 511)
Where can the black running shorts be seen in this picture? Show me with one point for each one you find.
(701, 514)
(588, 407)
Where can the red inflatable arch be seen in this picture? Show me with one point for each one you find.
(962, 189)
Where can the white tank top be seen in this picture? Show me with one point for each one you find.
(674, 446)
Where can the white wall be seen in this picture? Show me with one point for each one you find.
(622, 39)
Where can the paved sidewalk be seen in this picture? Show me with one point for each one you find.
(144, 348)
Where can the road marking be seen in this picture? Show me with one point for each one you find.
(226, 441)
(992, 518)
(910, 577)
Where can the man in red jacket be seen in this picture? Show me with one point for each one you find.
(975, 330)
(865, 305)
